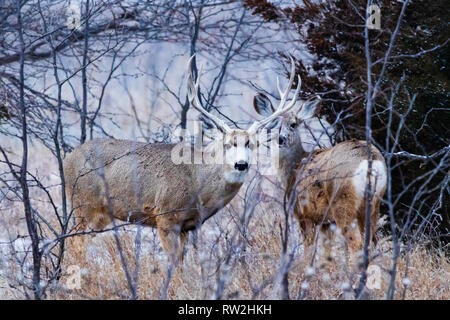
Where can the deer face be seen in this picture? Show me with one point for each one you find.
(233, 148)
(238, 149)
(229, 147)
(289, 138)
(237, 143)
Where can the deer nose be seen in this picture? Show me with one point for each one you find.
(241, 165)
(281, 140)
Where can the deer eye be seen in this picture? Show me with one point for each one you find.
(293, 125)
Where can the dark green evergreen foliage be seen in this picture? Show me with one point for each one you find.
(335, 33)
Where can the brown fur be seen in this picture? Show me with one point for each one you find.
(326, 194)
(138, 182)
(324, 186)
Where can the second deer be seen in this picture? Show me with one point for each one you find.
(329, 183)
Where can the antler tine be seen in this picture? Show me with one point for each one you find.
(278, 87)
(295, 97)
(282, 110)
(283, 95)
(194, 100)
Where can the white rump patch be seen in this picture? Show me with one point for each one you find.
(378, 178)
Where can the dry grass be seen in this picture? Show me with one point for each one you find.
(428, 271)
(251, 271)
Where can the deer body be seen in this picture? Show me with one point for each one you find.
(330, 188)
(328, 185)
(138, 182)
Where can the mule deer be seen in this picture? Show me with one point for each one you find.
(139, 182)
(329, 183)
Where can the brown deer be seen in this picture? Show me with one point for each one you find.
(329, 184)
(141, 182)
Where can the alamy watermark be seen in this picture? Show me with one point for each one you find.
(373, 17)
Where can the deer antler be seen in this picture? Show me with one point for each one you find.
(194, 100)
(281, 107)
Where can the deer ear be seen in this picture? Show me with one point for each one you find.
(262, 105)
(308, 109)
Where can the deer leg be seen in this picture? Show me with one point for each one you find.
(173, 243)
(308, 229)
(77, 242)
(99, 219)
(328, 234)
(95, 218)
(373, 220)
(183, 241)
(345, 215)
(374, 216)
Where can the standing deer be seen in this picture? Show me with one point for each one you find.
(329, 183)
(139, 182)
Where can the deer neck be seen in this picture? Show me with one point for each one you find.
(214, 190)
(211, 179)
(289, 161)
